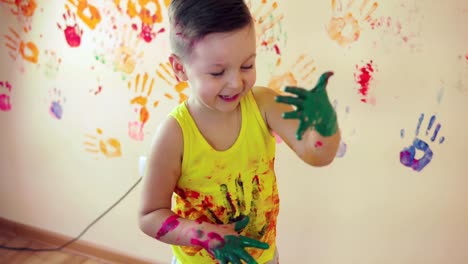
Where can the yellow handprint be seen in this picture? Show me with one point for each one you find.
(126, 55)
(344, 28)
(168, 76)
(110, 148)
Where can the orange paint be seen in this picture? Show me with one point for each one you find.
(344, 27)
(110, 148)
(27, 50)
(82, 6)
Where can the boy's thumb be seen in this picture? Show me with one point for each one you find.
(241, 224)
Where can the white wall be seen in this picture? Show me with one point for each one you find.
(366, 207)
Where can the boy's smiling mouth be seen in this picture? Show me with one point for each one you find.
(229, 98)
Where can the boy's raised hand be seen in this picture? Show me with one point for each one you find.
(313, 108)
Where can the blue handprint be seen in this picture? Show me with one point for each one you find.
(407, 155)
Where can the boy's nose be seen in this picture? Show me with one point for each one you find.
(236, 81)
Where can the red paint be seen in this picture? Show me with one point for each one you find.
(147, 33)
(277, 50)
(98, 91)
(318, 144)
(363, 78)
(187, 193)
(256, 182)
(466, 56)
(212, 237)
(170, 224)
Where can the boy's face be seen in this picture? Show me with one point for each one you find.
(221, 68)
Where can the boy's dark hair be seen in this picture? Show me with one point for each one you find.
(191, 20)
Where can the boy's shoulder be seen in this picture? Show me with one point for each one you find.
(263, 96)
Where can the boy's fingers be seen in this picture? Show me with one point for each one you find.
(322, 82)
(289, 100)
(292, 115)
(241, 224)
(233, 259)
(247, 257)
(300, 92)
(300, 131)
(250, 242)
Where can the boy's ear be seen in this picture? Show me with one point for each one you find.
(178, 68)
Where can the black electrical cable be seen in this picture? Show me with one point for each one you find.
(82, 232)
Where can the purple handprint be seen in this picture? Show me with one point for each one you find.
(407, 155)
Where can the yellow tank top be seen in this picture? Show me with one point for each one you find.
(223, 186)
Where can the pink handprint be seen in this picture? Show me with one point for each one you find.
(71, 29)
(5, 104)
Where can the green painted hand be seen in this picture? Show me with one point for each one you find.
(313, 108)
(233, 249)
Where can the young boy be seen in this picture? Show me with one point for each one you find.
(216, 151)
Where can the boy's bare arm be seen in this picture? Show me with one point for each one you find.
(317, 146)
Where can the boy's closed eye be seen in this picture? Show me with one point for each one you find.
(222, 72)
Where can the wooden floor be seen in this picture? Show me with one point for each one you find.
(28, 257)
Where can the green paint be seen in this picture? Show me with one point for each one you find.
(313, 108)
(233, 250)
(240, 225)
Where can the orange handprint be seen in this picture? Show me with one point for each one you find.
(344, 27)
(71, 30)
(168, 76)
(126, 55)
(141, 101)
(110, 148)
(89, 14)
(23, 7)
(148, 11)
(267, 27)
(27, 50)
(299, 75)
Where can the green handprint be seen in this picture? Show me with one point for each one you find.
(233, 249)
(313, 108)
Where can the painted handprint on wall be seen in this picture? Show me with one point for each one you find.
(165, 73)
(109, 147)
(5, 90)
(52, 64)
(270, 35)
(346, 22)
(140, 100)
(88, 13)
(56, 102)
(298, 74)
(126, 53)
(71, 29)
(28, 50)
(23, 10)
(408, 154)
(149, 13)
